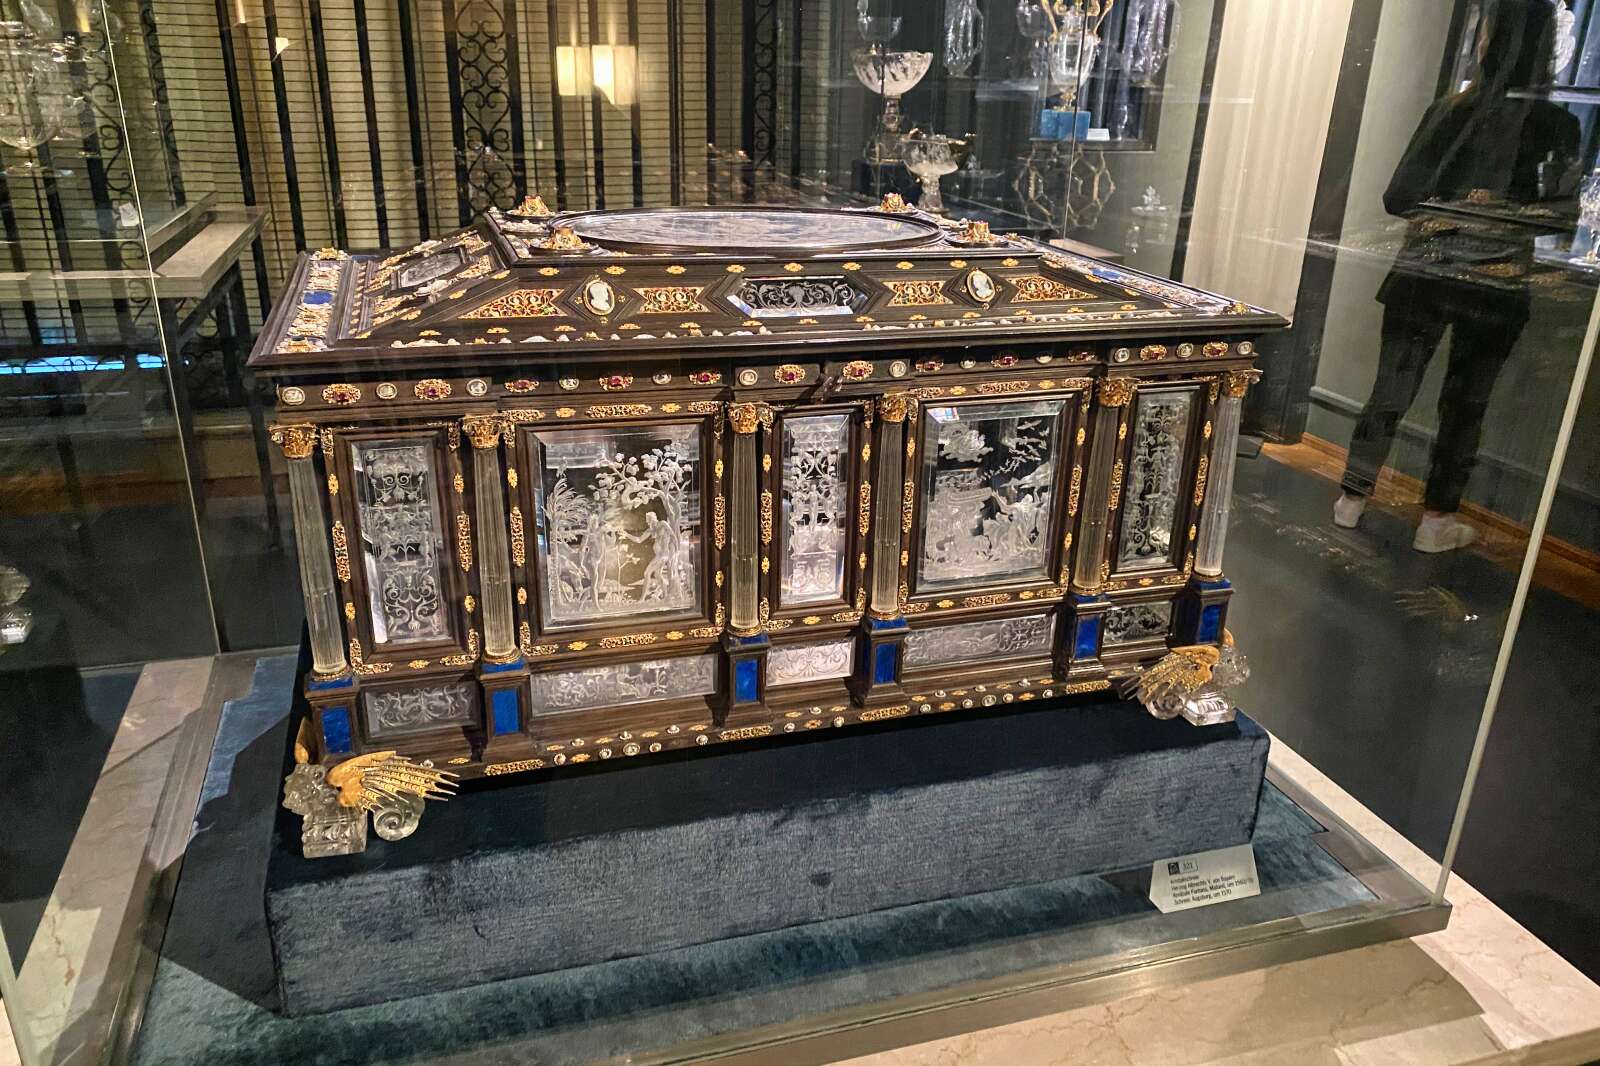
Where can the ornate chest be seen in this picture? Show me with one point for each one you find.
(596, 486)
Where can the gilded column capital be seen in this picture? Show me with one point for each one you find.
(745, 417)
(1116, 392)
(483, 430)
(297, 441)
(1237, 382)
(892, 406)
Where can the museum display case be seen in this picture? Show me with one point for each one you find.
(764, 469)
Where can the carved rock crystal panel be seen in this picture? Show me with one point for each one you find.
(402, 540)
(1137, 621)
(624, 684)
(619, 522)
(816, 508)
(414, 710)
(988, 488)
(1154, 486)
(966, 642)
(794, 297)
(793, 664)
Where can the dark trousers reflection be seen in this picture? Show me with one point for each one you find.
(1479, 346)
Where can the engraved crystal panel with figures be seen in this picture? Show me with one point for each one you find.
(967, 642)
(619, 522)
(1154, 484)
(816, 508)
(622, 684)
(988, 487)
(402, 540)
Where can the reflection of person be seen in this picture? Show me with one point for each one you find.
(1482, 146)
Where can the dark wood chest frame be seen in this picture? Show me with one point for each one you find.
(1021, 489)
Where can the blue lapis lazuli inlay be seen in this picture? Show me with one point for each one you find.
(503, 702)
(314, 684)
(1210, 624)
(336, 730)
(1087, 644)
(746, 681)
(885, 657)
(500, 668)
(886, 625)
(317, 298)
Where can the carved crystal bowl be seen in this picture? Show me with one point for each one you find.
(891, 73)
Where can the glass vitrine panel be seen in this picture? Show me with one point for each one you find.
(391, 712)
(620, 684)
(619, 522)
(966, 642)
(1155, 486)
(823, 660)
(988, 488)
(402, 540)
(816, 508)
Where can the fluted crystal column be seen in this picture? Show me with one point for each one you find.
(1114, 394)
(744, 528)
(311, 532)
(1216, 490)
(494, 556)
(886, 516)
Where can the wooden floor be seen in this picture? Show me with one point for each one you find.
(1563, 568)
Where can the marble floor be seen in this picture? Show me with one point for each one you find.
(85, 940)
(8, 1044)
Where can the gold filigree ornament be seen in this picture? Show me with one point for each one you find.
(532, 206)
(341, 394)
(744, 417)
(1177, 675)
(564, 239)
(483, 430)
(297, 441)
(1237, 382)
(892, 406)
(1116, 392)
(391, 788)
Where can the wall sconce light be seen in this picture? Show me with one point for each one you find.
(616, 72)
(573, 74)
(611, 68)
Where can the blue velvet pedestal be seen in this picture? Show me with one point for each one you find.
(216, 995)
(582, 866)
